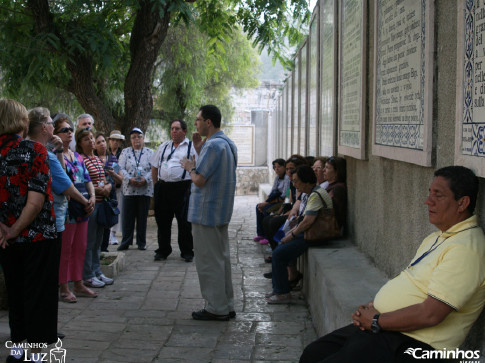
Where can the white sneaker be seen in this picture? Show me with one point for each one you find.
(112, 239)
(105, 280)
(94, 282)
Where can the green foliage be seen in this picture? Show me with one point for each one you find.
(83, 47)
(192, 73)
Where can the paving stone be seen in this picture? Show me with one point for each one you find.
(146, 315)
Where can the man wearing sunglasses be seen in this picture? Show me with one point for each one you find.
(433, 303)
(171, 192)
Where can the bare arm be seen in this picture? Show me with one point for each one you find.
(189, 165)
(430, 312)
(73, 193)
(198, 179)
(32, 208)
(301, 227)
(197, 142)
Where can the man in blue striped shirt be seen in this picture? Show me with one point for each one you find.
(210, 211)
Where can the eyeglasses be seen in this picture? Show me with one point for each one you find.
(137, 136)
(86, 129)
(65, 130)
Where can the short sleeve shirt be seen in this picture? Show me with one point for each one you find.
(167, 160)
(453, 272)
(60, 182)
(24, 167)
(96, 172)
(212, 204)
(314, 203)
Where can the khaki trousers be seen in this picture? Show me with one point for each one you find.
(213, 264)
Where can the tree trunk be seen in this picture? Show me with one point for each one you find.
(147, 36)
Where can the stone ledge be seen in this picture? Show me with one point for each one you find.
(263, 191)
(338, 278)
(114, 268)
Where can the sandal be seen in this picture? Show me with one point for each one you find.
(68, 297)
(86, 293)
(294, 283)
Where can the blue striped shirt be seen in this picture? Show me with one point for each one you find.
(212, 204)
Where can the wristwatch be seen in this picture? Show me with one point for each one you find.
(374, 326)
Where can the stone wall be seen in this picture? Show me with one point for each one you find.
(249, 178)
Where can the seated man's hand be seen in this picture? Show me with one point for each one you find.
(363, 316)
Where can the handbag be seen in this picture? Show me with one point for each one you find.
(108, 213)
(76, 209)
(324, 227)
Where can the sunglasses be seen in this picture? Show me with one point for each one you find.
(65, 130)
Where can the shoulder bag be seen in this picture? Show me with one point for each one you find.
(108, 213)
(325, 226)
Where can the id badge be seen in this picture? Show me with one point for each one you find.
(101, 184)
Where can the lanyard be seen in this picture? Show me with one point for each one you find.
(101, 174)
(139, 158)
(435, 246)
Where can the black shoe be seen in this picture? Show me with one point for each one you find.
(187, 258)
(159, 257)
(205, 315)
(61, 336)
(142, 248)
(123, 247)
(232, 314)
(268, 275)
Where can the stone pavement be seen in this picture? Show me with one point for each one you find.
(146, 315)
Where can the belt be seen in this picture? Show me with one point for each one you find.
(177, 182)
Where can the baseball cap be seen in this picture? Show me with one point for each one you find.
(137, 130)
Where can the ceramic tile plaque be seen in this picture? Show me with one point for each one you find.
(470, 125)
(404, 80)
(328, 76)
(351, 133)
(303, 98)
(313, 71)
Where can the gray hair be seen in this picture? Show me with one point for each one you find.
(84, 115)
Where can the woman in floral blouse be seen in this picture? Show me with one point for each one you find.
(29, 252)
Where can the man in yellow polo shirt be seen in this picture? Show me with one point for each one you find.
(433, 303)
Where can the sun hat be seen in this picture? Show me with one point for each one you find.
(116, 134)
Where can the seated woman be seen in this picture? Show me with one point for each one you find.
(335, 173)
(294, 244)
(272, 223)
(319, 169)
(280, 185)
